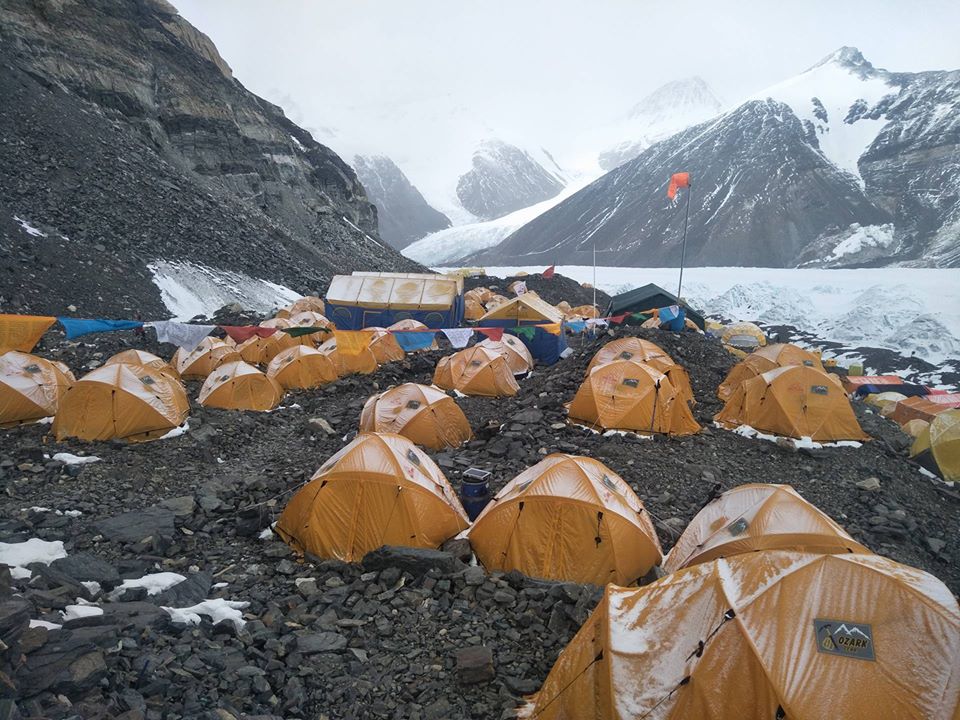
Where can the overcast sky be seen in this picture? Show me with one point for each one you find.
(539, 70)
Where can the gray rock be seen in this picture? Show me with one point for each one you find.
(474, 664)
(321, 642)
(416, 561)
(84, 566)
(195, 589)
(14, 619)
(182, 506)
(474, 575)
(66, 665)
(870, 484)
(134, 526)
(936, 545)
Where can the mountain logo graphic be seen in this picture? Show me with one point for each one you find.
(844, 638)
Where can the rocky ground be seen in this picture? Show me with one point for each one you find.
(404, 635)
(553, 290)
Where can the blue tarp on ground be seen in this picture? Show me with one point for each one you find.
(544, 346)
(907, 389)
(672, 318)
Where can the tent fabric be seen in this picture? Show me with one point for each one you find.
(384, 346)
(240, 386)
(525, 309)
(514, 351)
(645, 352)
(760, 636)
(142, 357)
(378, 490)
(583, 311)
(363, 363)
(198, 364)
(184, 335)
(30, 388)
(742, 335)
(240, 333)
(649, 296)
(916, 408)
(914, 427)
(793, 401)
(22, 332)
(545, 345)
(904, 389)
(852, 382)
(940, 442)
(758, 516)
(476, 371)
(381, 299)
(764, 359)
(301, 367)
(885, 402)
(627, 395)
(413, 325)
(567, 518)
(422, 414)
(132, 402)
(309, 328)
(414, 341)
(307, 303)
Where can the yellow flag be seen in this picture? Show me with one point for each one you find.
(22, 332)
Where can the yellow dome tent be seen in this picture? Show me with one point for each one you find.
(411, 324)
(762, 636)
(476, 371)
(513, 350)
(473, 309)
(914, 427)
(363, 363)
(764, 359)
(646, 353)
(308, 303)
(567, 518)
(310, 319)
(378, 490)
(208, 355)
(626, 395)
(133, 402)
(266, 349)
(938, 446)
(793, 401)
(301, 367)
(754, 517)
(585, 311)
(240, 386)
(422, 414)
(142, 357)
(527, 308)
(30, 388)
(384, 346)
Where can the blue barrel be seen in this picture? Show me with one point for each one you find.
(474, 494)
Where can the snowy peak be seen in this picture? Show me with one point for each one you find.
(504, 178)
(847, 57)
(675, 101)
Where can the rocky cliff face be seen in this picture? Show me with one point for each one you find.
(404, 215)
(123, 129)
(505, 178)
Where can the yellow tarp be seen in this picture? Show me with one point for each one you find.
(526, 308)
(22, 332)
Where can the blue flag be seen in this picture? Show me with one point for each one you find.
(76, 327)
(413, 341)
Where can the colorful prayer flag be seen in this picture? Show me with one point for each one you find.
(22, 332)
(677, 181)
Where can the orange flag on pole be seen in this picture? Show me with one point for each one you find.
(677, 181)
(22, 332)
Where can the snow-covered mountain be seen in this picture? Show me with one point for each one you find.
(844, 164)
(667, 110)
(504, 178)
(404, 216)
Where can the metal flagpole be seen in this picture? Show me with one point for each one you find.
(594, 272)
(683, 249)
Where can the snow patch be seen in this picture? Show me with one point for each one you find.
(862, 237)
(218, 610)
(28, 228)
(74, 612)
(190, 289)
(155, 583)
(70, 459)
(176, 432)
(804, 442)
(45, 624)
(65, 513)
(34, 550)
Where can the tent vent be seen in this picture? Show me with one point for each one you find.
(147, 380)
(413, 404)
(32, 369)
(626, 355)
(412, 457)
(780, 713)
(631, 382)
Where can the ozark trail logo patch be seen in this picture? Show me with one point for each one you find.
(848, 639)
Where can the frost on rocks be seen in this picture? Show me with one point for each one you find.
(804, 442)
(218, 610)
(155, 583)
(176, 432)
(70, 459)
(34, 550)
(45, 624)
(75, 612)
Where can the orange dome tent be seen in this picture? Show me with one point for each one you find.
(133, 402)
(764, 359)
(513, 350)
(209, 354)
(421, 414)
(648, 353)
(761, 636)
(310, 319)
(308, 303)
(411, 324)
(627, 395)
(301, 367)
(568, 518)
(30, 388)
(384, 346)
(793, 401)
(756, 517)
(363, 363)
(142, 357)
(266, 349)
(585, 311)
(476, 371)
(378, 490)
(937, 446)
(240, 386)
(473, 309)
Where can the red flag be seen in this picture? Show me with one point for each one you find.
(239, 333)
(548, 273)
(617, 319)
(677, 181)
(495, 334)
